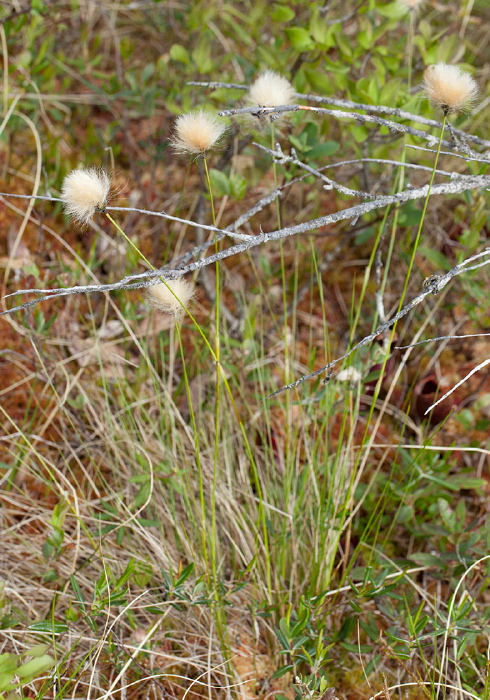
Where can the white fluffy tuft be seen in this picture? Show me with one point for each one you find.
(163, 296)
(197, 132)
(84, 192)
(449, 87)
(271, 90)
(350, 374)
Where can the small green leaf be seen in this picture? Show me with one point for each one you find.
(282, 13)
(77, 591)
(220, 183)
(393, 10)
(355, 648)
(142, 495)
(323, 149)
(185, 574)
(300, 39)
(425, 559)
(461, 481)
(48, 626)
(179, 53)
(36, 666)
(238, 186)
(447, 514)
(5, 680)
(282, 671)
(284, 627)
(38, 650)
(437, 258)
(8, 662)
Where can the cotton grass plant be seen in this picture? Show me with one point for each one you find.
(288, 498)
(196, 133)
(270, 89)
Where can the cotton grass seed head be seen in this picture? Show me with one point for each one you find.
(449, 87)
(85, 191)
(163, 296)
(271, 90)
(197, 132)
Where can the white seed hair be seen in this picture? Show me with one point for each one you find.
(449, 87)
(171, 296)
(271, 90)
(350, 374)
(85, 191)
(197, 132)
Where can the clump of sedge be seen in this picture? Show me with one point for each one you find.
(449, 87)
(197, 132)
(171, 296)
(271, 90)
(84, 192)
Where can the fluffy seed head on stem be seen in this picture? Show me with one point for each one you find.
(196, 132)
(271, 90)
(85, 191)
(163, 296)
(449, 87)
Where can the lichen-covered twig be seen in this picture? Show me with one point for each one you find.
(330, 184)
(147, 212)
(145, 279)
(432, 285)
(338, 114)
(349, 104)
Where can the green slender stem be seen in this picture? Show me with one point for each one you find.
(189, 314)
(287, 359)
(127, 238)
(421, 225)
(186, 382)
(255, 473)
(217, 346)
(192, 416)
(208, 180)
(417, 240)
